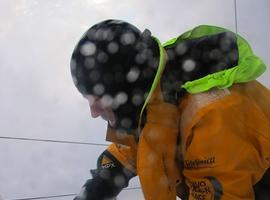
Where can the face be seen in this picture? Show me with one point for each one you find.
(99, 108)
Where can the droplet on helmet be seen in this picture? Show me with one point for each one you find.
(181, 49)
(133, 74)
(137, 99)
(98, 89)
(106, 100)
(139, 58)
(88, 49)
(99, 34)
(121, 98)
(89, 62)
(113, 47)
(127, 38)
(90, 33)
(188, 65)
(147, 53)
(215, 54)
(140, 46)
(102, 57)
(226, 41)
(108, 35)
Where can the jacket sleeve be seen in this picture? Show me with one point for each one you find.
(157, 164)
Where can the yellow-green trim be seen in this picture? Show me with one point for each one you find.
(160, 69)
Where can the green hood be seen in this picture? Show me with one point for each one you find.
(249, 66)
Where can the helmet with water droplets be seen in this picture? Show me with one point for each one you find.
(115, 59)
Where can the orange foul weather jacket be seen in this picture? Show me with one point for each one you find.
(215, 142)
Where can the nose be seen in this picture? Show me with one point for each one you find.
(95, 108)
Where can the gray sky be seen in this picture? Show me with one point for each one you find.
(37, 96)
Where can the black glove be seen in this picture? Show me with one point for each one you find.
(108, 180)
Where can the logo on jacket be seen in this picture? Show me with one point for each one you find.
(207, 188)
(107, 163)
(198, 163)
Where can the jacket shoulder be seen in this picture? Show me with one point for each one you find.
(197, 105)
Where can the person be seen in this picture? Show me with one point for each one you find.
(188, 117)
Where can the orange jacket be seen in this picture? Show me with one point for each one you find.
(226, 141)
(217, 140)
(225, 144)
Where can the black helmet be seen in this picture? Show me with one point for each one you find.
(114, 59)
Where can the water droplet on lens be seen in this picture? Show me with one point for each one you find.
(105, 174)
(215, 54)
(89, 62)
(119, 181)
(102, 57)
(106, 100)
(121, 98)
(225, 44)
(113, 47)
(151, 158)
(139, 59)
(88, 49)
(163, 181)
(98, 89)
(188, 65)
(181, 49)
(137, 99)
(127, 38)
(108, 35)
(133, 74)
